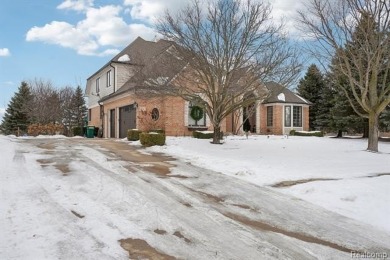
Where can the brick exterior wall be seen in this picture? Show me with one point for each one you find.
(278, 120)
(172, 116)
(277, 126)
(171, 119)
(305, 118)
(94, 116)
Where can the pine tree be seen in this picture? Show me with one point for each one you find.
(310, 88)
(385, 120)
(343, 117)
(324, 118)
(16, 118)
(80, 109)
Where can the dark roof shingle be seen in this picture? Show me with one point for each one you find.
(281, 94)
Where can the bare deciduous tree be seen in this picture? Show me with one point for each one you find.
(356, 35)
(45, 104)
(66, 95)
(231, 48)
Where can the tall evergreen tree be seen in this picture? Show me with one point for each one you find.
(325, 104)
(80, 108)
(385, 120)
(16, 118)
(343, 116)
(310, 88)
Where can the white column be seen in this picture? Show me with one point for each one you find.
(258, 119)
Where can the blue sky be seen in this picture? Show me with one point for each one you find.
(65, 41)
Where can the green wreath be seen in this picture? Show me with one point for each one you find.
(196, 113)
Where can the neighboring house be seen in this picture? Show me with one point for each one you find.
(117, 100)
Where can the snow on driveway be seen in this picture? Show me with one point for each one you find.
(66, 198)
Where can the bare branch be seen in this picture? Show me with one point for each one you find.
(354, 36)
(229, 49)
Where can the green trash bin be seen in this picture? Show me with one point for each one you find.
(90, 131)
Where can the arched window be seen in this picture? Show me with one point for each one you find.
(155, 114)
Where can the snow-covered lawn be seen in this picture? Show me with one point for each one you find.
(357, 182)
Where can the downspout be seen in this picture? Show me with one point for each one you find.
(114, 76)
(101, 134)
(115, 124)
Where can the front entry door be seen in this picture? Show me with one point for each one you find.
(112, 123)
(127, 120)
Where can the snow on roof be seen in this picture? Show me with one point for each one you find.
(282, 97)
(304, 100)
(124, 58)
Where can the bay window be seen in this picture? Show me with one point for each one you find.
(294, 117)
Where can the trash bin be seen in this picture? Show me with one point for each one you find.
(90, 131)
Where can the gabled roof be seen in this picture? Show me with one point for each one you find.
(158, 61)
(138, 52)
(281, 94)
(141, 51)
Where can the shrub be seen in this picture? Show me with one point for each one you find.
(48, 129)
(133, 134)
(78, 131)
(312, 133)
(292, 132)
(205, 134)
(153, 138)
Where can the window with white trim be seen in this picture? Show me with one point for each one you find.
(270, 116)
(97, 85)
(108, 78)
(287, 116)
(297, 116)
(294, 117)
(196, 116)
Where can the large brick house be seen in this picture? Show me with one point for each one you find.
(115, 105)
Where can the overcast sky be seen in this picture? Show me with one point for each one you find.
(66, 41)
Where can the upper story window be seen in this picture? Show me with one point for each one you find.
(270, 116)
(97, 85)
(108, 78)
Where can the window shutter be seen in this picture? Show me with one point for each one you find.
(186, 104)
(207, 120)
